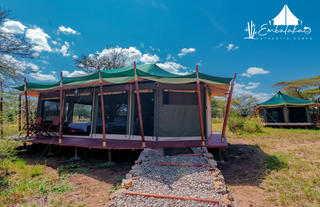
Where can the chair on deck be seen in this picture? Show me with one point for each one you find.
(53, 127)
(37, 127)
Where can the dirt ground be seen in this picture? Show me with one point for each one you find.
(243, 170)
(91, 183)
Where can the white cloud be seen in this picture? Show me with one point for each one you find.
(75, 73)
(232, 47)
(220, 45)
(39, 39)
(43, 77)
(173, 67)
(54, 42)
(67, 30)
(75, 56)
(147, 58)
(12, 26)
(242, 89)
(184, 51)
(254, 71)
(252, 85)
(132, 54)
(64, 49)
(18, 65)
(170, 57)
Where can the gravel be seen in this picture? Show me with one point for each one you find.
(196, 182)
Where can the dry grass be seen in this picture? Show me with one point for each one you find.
(292, 164)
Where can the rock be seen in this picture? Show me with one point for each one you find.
(212, 163)
(226, 201)
(209, 155)
(127, 183)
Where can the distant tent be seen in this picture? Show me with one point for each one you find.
(284, 110)
(285, 17)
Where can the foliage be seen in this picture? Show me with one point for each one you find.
(218, 107)
(306, 88)
(12, 46)
(239, 125)
(114, 57)
(19, 180)
(243, 105)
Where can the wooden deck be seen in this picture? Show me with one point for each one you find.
(292, 124)
(214, 141)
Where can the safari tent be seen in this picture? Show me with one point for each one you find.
(127, 108)
(284, 110)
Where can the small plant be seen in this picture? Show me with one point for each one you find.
(106, 165)
(115, 187)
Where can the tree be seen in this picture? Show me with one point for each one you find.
(244, 105)
(218, 107)
(306, 88)
(113, 57)
(12, 46)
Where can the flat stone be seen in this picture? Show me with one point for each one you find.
(212, 163)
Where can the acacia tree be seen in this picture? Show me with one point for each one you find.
(12, 46)
(244, 104)
(113, 57)
(307, 88)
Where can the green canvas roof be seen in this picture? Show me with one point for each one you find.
(282, 99)
(126, 74)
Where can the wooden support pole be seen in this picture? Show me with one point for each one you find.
(139, 105)
(1, 111)
(104, 139)
(200, 107)
(171, 197)
(286, 114)
(26, 107)
(19, 114)
(318, 110)
(225, 120)
(61, 109)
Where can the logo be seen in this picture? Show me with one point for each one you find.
(284, 26)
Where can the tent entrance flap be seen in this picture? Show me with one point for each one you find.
(275, 115)
(115, 112)
(297, 115)
(147, 110)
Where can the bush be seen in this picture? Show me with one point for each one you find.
(239, 125)
(236, 123)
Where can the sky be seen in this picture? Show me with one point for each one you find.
(175, 34)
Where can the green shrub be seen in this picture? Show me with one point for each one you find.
(252, 125)
(239, 125)
(236, 123)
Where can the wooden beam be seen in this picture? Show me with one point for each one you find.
(61, 109)
(19, 114)
(200, 107)
(171, 197)
(318, 110)
(104, 142)
(26, 107)
(225, 120)
(139, 104)
(1, 112)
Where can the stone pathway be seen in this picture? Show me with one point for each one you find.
(179, 180)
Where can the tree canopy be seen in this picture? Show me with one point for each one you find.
(113, 57)
(306, 88)
(12, 46)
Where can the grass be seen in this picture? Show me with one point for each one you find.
(292, 162)
(19, 180)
